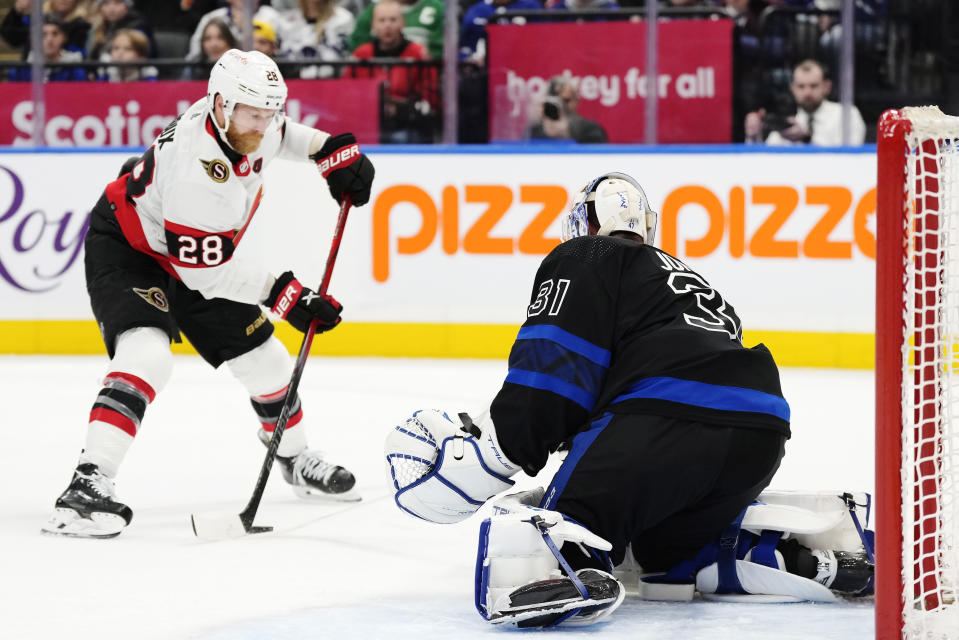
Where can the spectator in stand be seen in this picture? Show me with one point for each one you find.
(423, 20)
(268, 43)
(216, 39)
(817, 121)
(473, 31)
(54, 51)
(411, 92)
(559, 117)
(15, 28)
(264, 38)
(318, 29)
(235, 17)
(127, 45)
(113, 16)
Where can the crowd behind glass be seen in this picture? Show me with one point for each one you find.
(787, 55)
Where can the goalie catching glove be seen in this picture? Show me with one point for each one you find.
(444, 470)
(348, 172)
(298, 305)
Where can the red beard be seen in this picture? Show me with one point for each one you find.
(243, 143)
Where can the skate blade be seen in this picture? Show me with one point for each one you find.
(314, 495)
(69, 523)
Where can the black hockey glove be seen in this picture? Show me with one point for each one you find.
(347, 171)
(298, 305)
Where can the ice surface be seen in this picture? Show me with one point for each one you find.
(329, 570)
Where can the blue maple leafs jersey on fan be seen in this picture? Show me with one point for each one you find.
(618, 326)
(190, 197)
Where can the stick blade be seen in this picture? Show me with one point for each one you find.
(220, 527)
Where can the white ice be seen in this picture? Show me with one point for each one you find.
(328, 570)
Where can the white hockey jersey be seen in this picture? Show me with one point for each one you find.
(190, 198)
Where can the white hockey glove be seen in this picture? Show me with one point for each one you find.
(443, 471)
(522, 577)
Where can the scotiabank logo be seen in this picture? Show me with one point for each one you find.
(443, 220)
(89, 121)
(123, 125)
(783, 221)
(826, 207)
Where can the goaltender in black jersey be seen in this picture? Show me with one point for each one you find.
(631, 362)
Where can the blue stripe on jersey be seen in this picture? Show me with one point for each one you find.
(581, 443)
(547, 382)
(710, 396)
(566, 339)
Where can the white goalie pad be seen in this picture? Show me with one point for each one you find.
(824, 520)
(762, 584)
(818, 519)
(513, 553)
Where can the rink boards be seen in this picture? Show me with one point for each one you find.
(440, 263)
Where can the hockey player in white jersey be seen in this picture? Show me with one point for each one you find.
(160, 262)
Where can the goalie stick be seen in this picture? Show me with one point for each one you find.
(219, 526)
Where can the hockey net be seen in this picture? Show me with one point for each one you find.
(917, 374)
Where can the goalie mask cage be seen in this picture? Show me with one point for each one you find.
(917, 374)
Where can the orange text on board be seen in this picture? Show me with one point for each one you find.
(778, 203)
(445, 218)
(828, 205)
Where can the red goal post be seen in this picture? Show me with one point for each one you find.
(917, 374)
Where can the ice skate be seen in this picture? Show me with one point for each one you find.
(312, 477)
(848, 573)
(88, 507)
(547, 602)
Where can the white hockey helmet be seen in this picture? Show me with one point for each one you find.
(612, 202)
(249, 77)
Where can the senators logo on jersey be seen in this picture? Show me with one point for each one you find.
(216, 169)
(155, 297)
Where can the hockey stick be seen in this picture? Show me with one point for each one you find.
(218, 527)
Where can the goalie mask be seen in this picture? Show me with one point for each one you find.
(249, 77)
(612, 202)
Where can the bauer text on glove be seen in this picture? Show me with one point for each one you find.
(298, 305)
(348, 172)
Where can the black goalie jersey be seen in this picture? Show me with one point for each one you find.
(618, 326)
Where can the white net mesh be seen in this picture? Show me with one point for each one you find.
(930, 390)
(411, 451)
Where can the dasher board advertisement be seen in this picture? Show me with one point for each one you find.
(447, 248)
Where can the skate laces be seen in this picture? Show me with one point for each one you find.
(99, 483)
(310, 464)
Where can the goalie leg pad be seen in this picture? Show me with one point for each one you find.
(523, 579)
(824, 526)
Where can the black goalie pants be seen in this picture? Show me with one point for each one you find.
(130, 289)
(664, 485)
